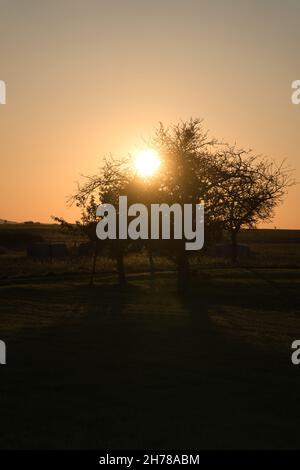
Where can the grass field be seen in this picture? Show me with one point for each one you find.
(269, 248)
(105, 367)
(141, 367)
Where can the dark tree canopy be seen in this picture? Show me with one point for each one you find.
(239, 189)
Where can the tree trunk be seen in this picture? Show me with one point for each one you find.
(183, 270)
(94, 264)
(120, 266)
(151, 260)
(234, 247)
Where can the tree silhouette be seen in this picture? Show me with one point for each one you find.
(187, 153)
(105, 187)
(246, 190)
(239, 189)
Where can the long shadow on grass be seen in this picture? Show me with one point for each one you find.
(144, 369)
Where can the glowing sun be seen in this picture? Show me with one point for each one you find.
(147, 162)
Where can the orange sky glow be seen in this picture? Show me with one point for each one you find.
(89, 78)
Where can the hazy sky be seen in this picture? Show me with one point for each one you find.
(85, 78)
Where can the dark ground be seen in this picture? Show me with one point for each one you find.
(104, 367)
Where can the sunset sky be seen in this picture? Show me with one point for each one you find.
(86, 78)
